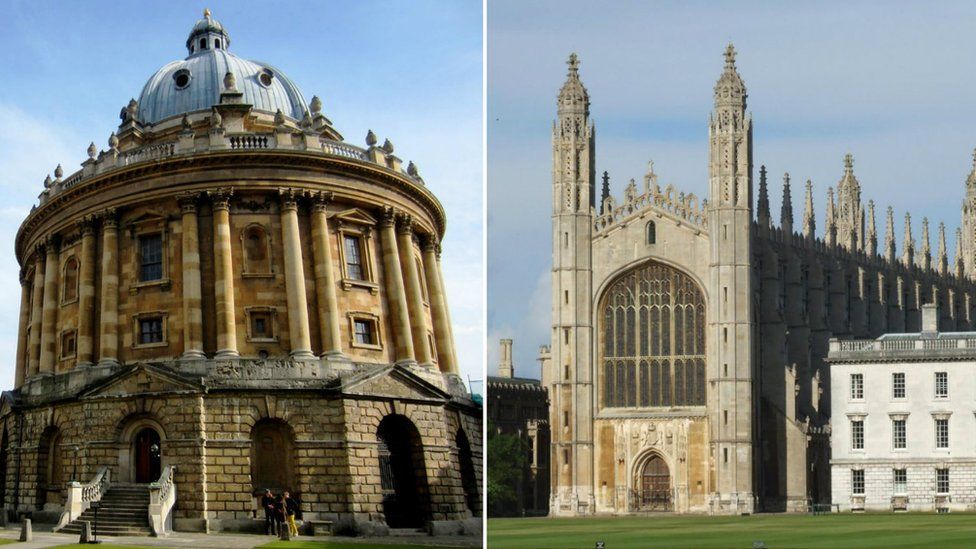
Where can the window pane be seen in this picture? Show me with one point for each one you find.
(354, 263)
(150, 257)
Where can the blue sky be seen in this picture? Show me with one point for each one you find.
(892, 85)
(410, 71)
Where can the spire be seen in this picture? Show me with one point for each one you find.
(831, 222)
(762, 208)
(890, 236)
(960, 262)
(730, 91)
(908, 246)
(809, 218)
(872, 231)
(943, 255)
(786, 210)
(926, 259)
(605, 194)
(850, 212)
(573, 95)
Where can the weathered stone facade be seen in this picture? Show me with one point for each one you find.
(237, 283)
(704, 321)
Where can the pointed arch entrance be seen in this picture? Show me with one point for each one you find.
(403, 474)
(654, 485)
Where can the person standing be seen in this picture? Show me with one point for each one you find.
(268, 504)
(279, 513)
(291, 509)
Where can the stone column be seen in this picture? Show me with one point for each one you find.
(415, 299)
(325, 282)
(395, 296)
(438, 308)
(108, 347)
(192, 294)
(86, 294)
(301, 342)
(224, 276)
(21, 362)
(49, 314)
(37, 304)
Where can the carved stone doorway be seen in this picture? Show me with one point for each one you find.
(655, 486)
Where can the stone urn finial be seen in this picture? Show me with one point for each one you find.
(370, 139)
(47, 181)
(185, 122)
(412, 169)
(131, 110)
(279, 119)
(92, 150)
(113, 141)
(58, 172)
(306, 120)
(216, 121)
(230, 81)
(388, 146)
(316, 105)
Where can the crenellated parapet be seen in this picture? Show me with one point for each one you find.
(682, 207)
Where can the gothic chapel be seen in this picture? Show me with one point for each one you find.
(686, 366)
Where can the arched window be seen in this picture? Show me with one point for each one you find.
(652, 339)
(272, 457)
(469, 482)
(257, 259)
(70, 292)
(203, 43)
(651, 233)
(217, 43)
(49, 468)
(403, 475)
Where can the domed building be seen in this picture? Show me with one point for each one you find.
(230, 298)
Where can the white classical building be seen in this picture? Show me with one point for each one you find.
(903, 420)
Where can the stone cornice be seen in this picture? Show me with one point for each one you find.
(371, 173)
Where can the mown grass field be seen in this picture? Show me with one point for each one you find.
(779, 531)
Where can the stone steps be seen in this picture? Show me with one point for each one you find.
(123, 511)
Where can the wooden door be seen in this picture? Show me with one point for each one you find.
(148, 456)
(656, 485)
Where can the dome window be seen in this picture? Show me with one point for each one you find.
(181, 78)
(265, 78)
(216, 43)
(203, 43)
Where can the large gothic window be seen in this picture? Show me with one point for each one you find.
(653, 340)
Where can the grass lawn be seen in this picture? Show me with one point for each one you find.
(780, 531)
(297, 544)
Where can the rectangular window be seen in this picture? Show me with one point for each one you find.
(857, 482)
(68, 344)
(261, 325)
(365, 332)
(857, 386)
(857, 435)
(898, 385)
(941, 385)
(565, 419)
(898, 439)
(150, 330)
(942, 481)
(354, 257)
(150, 257)
(941, 433)
(900, 481)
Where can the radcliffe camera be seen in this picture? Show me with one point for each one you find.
(241, 311)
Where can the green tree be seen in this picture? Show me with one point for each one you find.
(506, 461)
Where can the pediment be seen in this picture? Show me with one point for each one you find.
(6, 402)
(393, 382)
(355, 216)
(140, 379)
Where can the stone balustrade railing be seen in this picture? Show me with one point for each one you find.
(114, 158)
(943, 342)
(162, 498)
(80, 496)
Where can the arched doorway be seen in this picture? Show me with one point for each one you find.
(49, 468)
(272, 457)
(655, 485)
(403, 476)
(147, 451)
(469, 481)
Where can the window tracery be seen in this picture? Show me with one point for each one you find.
(653, 340)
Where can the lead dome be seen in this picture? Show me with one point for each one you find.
(195, 83)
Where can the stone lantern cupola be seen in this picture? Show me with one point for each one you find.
(207, 34)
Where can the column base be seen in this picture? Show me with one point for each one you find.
(428, 365)
(193, 354)
(109, 362)
(302, 354)
(330, 355)
(84, 364)
(406, 362)
(227, 353)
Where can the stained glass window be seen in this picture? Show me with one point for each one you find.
(653, 330)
